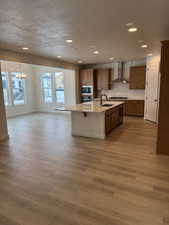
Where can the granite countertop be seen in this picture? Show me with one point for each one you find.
(93, 106)
(137, 99)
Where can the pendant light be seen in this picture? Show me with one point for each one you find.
(21, 75)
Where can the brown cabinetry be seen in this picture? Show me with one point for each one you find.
(134, 107)
(97, 78)
(102, 80)
(86, 77)
(137, 77)
(113, 118)
(163, 123)
(3, 122)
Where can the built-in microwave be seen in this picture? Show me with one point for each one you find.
(87, 89)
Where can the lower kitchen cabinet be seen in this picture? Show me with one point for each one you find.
(113, 118)
(134, 107)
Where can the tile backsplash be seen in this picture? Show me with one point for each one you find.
(122, 90)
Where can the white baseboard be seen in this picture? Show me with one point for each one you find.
(19, 114)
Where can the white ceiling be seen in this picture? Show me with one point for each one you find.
(44, 25)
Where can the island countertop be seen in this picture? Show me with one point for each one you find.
(93, 106)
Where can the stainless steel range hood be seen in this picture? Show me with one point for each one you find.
(119, 73)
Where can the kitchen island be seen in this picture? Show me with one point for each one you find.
(94, 120)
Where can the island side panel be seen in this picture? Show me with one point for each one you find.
(93, 125)
(113, 118)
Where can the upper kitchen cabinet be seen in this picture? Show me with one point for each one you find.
(103, 79)
(137, 77)
(86, 77)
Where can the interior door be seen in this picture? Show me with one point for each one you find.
(152, 89)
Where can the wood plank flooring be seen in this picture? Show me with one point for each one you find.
(48, 177)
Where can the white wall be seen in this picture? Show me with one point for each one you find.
(14, 110)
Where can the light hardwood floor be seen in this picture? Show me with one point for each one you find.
(48, 177)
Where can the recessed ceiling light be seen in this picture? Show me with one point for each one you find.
(80, 61)
(129, 24)
(144, 46)
(25, 48)
(150, 54)
(132, 29)
(69, 41)
(140, 41)
(96, 52)
(112, 58)
(59, 56)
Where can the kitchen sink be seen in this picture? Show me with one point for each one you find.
(107, 105)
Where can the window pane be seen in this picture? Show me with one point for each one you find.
(18, 89)
(48, 95)
(47, 88)
(59, 82)
(5, 87)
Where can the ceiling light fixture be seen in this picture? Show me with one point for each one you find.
(129, 24)
(21, 76)
(132, 29)
(69, 41)
(59, 56)
(25, 48)
(144, 46)
(112, 58)
(150, 54)
(80, 61)
(96, 52)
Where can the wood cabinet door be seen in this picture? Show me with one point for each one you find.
(134, 107)
(137, 77)
(103, 79)
(86, 77)
(3, 121)
(112, 119)
(163, 123)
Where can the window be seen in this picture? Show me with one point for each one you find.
(5, 87)
(18, 89)
(59, 84)
(52, 87)
(46, 80)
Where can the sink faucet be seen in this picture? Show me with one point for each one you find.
(101, 98)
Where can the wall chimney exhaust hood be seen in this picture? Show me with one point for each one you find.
(119, 73)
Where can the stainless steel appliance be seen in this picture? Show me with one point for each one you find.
(86, 98)
(117, 98)
(87, 89)
(86, 93)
